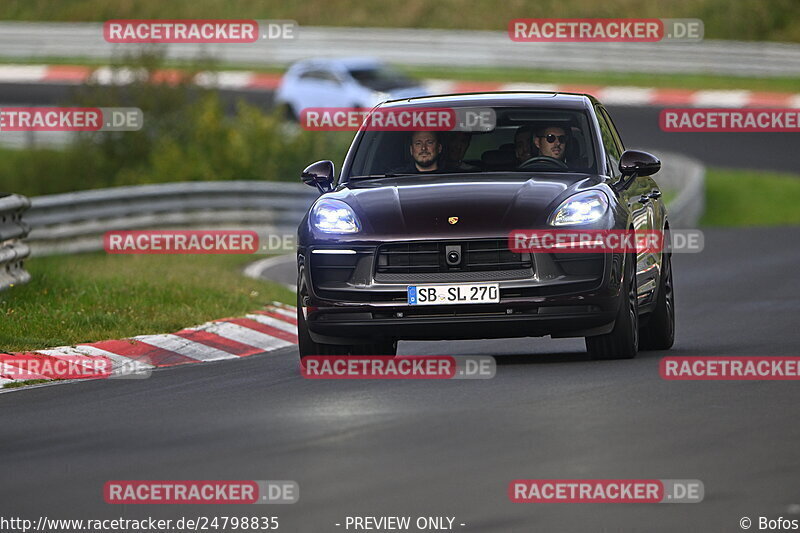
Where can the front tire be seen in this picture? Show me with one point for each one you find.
(623, 341)
(659, 333)
(307, 346)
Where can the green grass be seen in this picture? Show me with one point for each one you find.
(751, 198)
(93, 297)
(777, 20)
(26, 382)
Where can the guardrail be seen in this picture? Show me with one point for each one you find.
(12, 249)
(75, 222)
(409, 46)
(683, 181)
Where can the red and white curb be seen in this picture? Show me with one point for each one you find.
(261, 331)
(246, 80)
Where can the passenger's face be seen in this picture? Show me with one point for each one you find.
(557, 148)
(425, 148)
(522, 145)
(457, 146)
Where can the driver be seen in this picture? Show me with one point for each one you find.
(425, 150)
(552, 142)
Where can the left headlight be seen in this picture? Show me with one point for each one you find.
(581, 208)
(334, 216)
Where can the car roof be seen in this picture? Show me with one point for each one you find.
(545, 99)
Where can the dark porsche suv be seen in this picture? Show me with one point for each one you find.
(397, 250)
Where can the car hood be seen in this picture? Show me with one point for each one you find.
(484, 205)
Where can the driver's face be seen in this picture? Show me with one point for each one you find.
(425, 148)
(552, 143)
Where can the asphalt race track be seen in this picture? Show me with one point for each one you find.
(450, 448)
(759, 151)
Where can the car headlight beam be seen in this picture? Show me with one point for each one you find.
(334, 216)
(582, 208)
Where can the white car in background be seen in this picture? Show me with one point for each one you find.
(342, 82)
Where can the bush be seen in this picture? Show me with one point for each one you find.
(188, 135)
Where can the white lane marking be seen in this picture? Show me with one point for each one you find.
(225, 79)
(118, 76)
(275, 323)
(258, 269)
(284, 312)
(625, 96)
(284, 306)
(244, 335)
(119, 360)
(721, 98)
(439, 86)
(23, 73)
(545, 87)
(70, 354)
(185, 347)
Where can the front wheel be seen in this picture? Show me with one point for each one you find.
(659, 333)
(623, 341)
(307, 346)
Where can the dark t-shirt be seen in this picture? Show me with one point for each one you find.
(410, 168)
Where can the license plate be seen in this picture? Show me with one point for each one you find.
(454, 294)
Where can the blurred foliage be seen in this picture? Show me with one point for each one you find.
(189, 134)
(764, 20)
(751, 198)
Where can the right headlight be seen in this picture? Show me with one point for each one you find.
(581, 208)
(334, 216)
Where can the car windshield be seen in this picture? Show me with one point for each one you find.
(381, 78)
(521, 140)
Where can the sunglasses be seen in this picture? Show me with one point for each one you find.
(552, 138)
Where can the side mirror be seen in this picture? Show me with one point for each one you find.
(639, 163)
(319, 175)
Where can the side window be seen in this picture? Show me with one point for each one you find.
(614, 131)
(319, 75)
(609, 143)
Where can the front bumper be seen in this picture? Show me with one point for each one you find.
(562, 295)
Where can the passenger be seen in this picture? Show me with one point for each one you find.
(457, 146)
(522, 143)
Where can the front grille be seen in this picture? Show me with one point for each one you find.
(485, 255)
